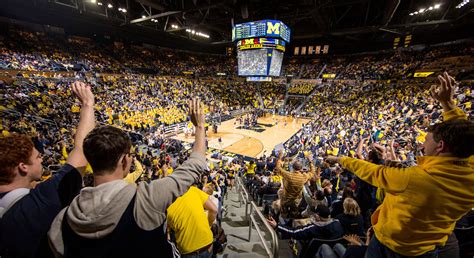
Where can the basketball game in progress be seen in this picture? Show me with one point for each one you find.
(237, 128)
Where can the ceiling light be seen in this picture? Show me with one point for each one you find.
(110, 6)
(437, 6)
(431, 8)
(99, 3)
(143, 16)
(93, 1)
(421, 10)
(411, 14)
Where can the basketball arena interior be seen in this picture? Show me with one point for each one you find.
(282, 129)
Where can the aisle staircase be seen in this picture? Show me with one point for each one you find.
(244, 240)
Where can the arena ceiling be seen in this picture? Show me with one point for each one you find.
(346, 21)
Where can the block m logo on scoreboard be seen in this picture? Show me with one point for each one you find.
(250, 42)
(273, 28)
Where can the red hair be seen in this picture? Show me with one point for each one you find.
(14, 149)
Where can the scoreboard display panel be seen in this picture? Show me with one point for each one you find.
(252, 62)
(259, 62)
(275, 64)
(263, 28)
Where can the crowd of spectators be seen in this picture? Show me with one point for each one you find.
(320, 201)
(302, 88)
(135, 92)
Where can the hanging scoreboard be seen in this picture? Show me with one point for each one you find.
(260, 47)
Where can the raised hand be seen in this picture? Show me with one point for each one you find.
(83, 92)
(444, 91)
(196, 112)
(280, 154)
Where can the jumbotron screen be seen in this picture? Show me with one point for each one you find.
(259, 62)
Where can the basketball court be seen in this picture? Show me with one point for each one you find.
(271, 131)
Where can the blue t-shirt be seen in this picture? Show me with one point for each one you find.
(24, 227)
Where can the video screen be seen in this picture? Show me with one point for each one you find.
(275, 65)
(252, 62)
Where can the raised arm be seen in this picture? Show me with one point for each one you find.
(132, 177)
(391, 179)
(392, 154)
(86, 123)
(198, 120)
(279, 165)
(155, 197)
(360, 148)
(312, 170)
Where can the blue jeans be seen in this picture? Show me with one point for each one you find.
(203, 254)
(325, 251)
(378, 250)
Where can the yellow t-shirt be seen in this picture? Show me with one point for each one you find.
(251, 168)
(186, 217)
(276, 179)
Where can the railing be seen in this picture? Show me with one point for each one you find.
(273, 250)
(244, 196)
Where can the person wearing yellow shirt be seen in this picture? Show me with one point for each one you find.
(131, 178)
(192, 228)
(423, 203)
(250, 169)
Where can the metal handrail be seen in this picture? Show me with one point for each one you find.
(273, 253)
(464, 228)
(243, 194)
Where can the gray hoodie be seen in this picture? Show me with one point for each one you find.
(96, 211)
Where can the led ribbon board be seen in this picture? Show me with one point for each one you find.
(254, 43)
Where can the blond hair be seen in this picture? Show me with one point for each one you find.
(351, 207)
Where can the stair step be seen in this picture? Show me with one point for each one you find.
(234, 223)
(236, 227)
(255, 247)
